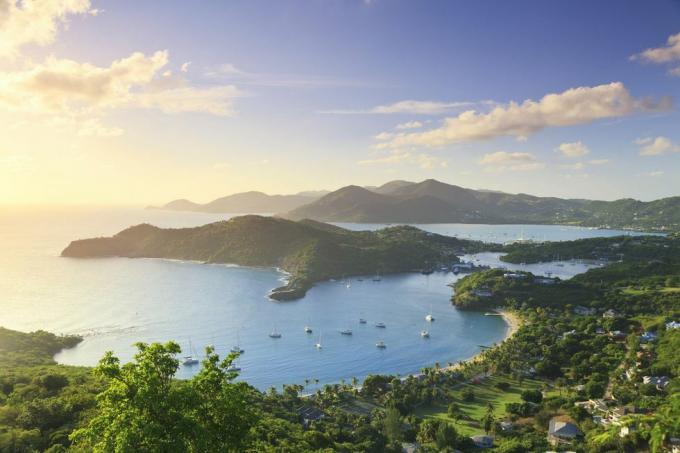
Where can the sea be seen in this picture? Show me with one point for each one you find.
(116, 302)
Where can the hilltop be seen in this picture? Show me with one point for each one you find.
(245, 202)
(310, 251)
(432, 201)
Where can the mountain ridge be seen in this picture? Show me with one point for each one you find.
(432, 201)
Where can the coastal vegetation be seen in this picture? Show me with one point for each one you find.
(309, 251)
(598, 353)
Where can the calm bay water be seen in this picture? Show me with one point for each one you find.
(115, 302)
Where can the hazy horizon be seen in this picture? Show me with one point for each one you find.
(572, 100)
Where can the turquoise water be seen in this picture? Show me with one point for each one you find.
(115, 302)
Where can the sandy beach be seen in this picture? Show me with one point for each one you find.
(511, 319)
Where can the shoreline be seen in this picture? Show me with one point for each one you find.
(513, 321)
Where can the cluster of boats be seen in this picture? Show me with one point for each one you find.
(347, 332)
(191, 360)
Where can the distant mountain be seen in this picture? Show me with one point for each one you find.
(431, 201)
(391, 186)
(310, 251)
(246, 202)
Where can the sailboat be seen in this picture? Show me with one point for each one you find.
(429, 317)
(377, 277)
(425, 333)
(318, 343)
(190, 359)
(237, 349)
(346, 332)
(380, 325)
(308, 329)
(362, 321)
(274, 333)
(380, 345)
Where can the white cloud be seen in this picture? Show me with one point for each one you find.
(410, 107)
(655, 174)
(573, 150)
(67, 86)
(574, 166)
(675, 71)
(409, 125)
(598, 161)
(506, 161)
(34, 21)
(571, 107)
(228, 71)
(666, 54)
(656, 146)
(384, 136)
(424, 161)
(185, 66)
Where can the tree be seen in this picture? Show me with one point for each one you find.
(221, 407)
(428, 430)
(488, 419)
(532, 396)
(392, 424)
(467, 394)
(446, 437)
(144, 409)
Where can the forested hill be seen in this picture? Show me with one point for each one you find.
(432, 201)
(310, 251)
(245, 202)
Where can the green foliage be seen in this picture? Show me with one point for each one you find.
(668, 351)
(446, 436)
(143, 409)
(467, 394)
(393, 425)
(532, 396)
(309, 251)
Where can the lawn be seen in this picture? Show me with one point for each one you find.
(637, 291)
(485, 393)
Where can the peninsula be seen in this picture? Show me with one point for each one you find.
(309, 251)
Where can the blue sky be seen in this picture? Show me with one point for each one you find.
(290, 95)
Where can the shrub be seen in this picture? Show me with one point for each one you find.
(467, 394)
(502, 385)
(532, 396)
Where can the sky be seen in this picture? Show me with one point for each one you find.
(142, 102)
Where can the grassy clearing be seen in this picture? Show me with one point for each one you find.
(485, 393)
(638, 291)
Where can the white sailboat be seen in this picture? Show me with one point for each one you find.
(274, 333)
(308, 329)
(346, 332)
(429, 317)
(380, 345)
(190, 360)
(425, 333)
(318, 343)
(380, 325)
